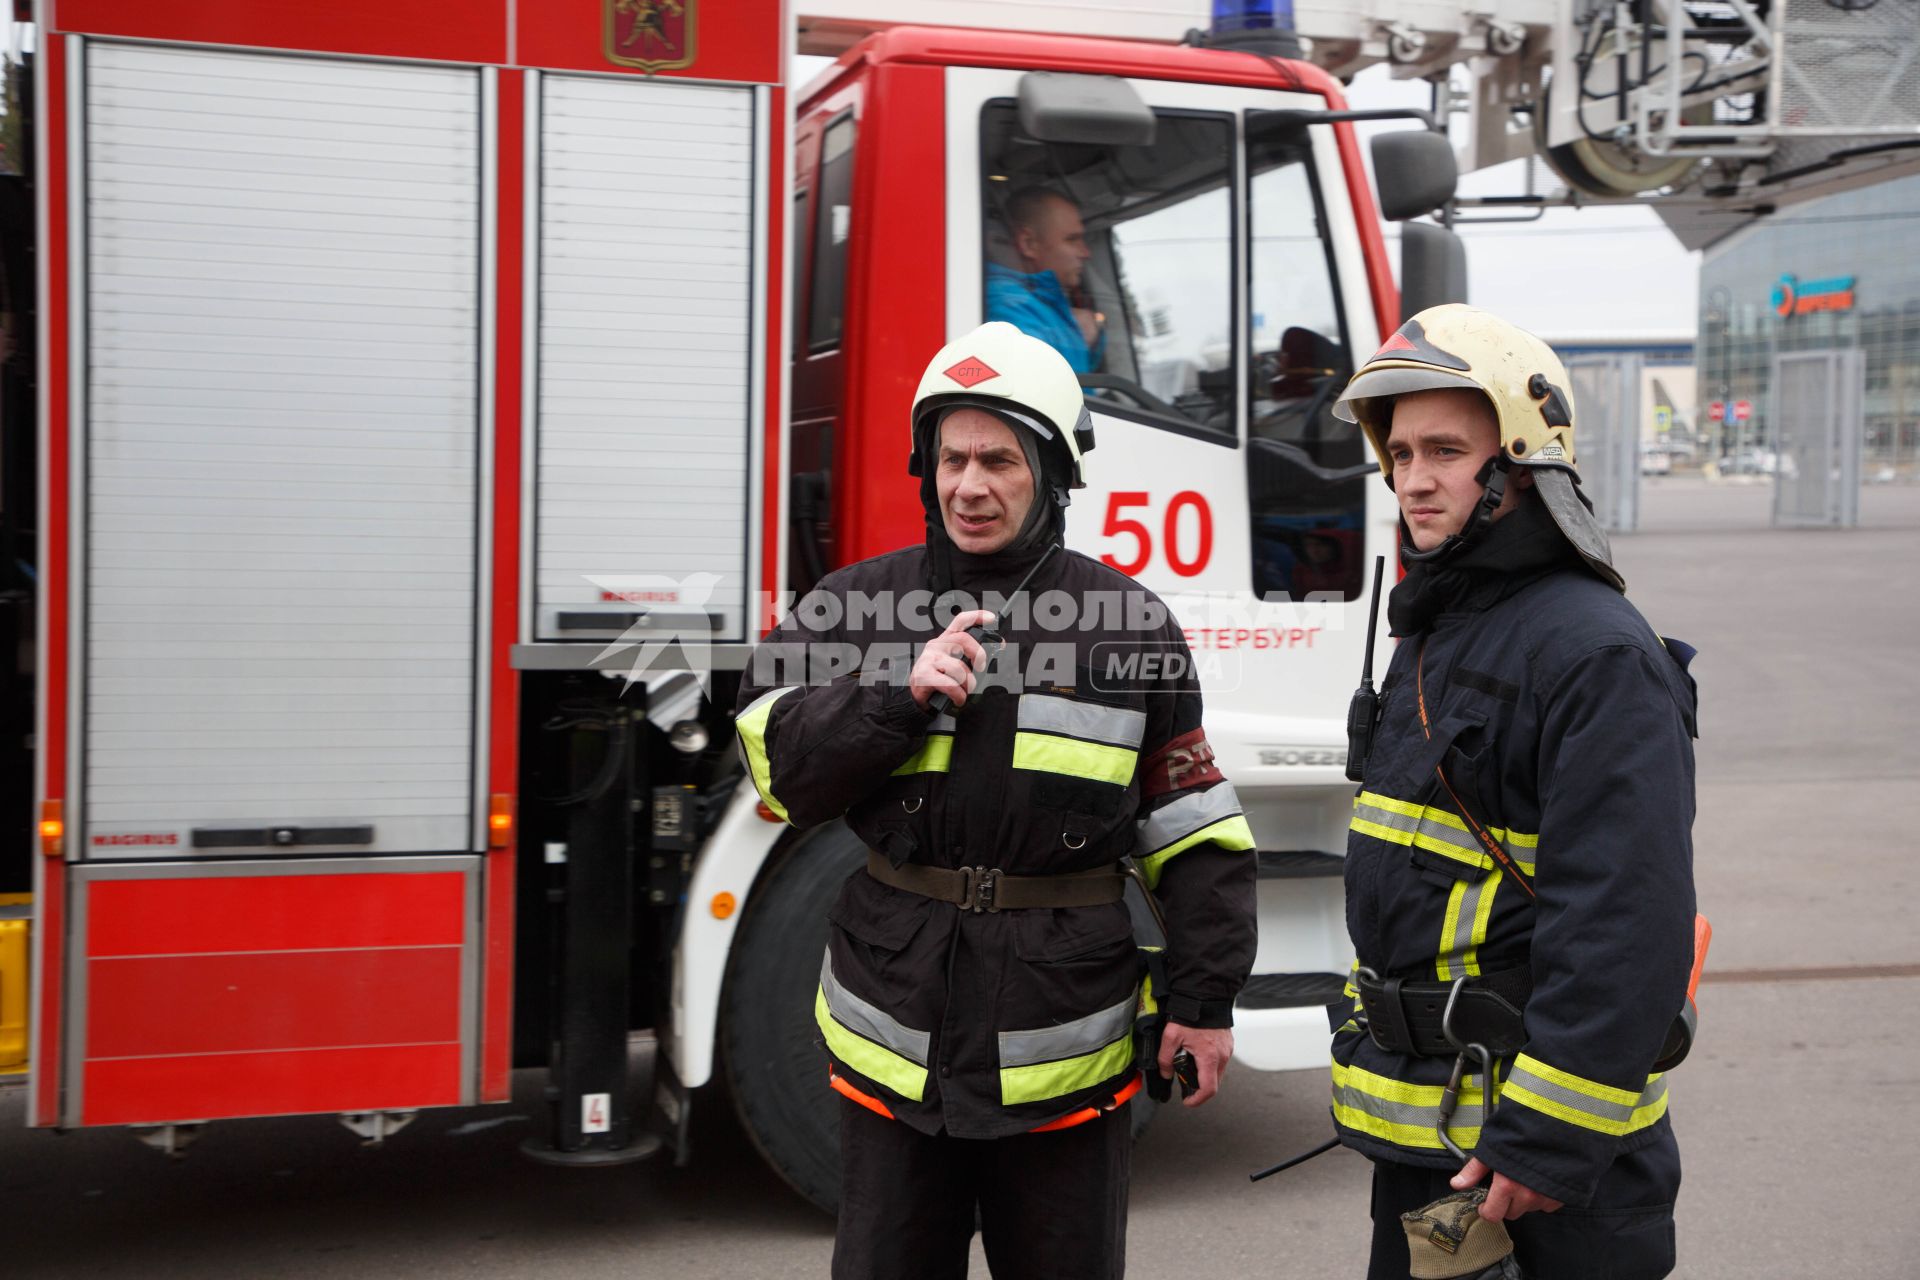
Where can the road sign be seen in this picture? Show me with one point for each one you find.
(1742, 410)
(1662, 419)
(1717, 411)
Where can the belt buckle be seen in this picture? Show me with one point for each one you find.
(979, 889)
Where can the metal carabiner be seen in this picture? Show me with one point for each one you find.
(1450, 1095)
(1449, 1102)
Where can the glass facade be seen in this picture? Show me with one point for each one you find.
(1839, 272)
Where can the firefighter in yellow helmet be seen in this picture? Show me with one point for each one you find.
(985, 1011)
(1519, 862)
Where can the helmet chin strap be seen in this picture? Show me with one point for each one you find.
(1493, 483)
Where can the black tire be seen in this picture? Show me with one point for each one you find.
(776, 1068)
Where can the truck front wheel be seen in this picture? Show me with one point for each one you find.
(776, 1069)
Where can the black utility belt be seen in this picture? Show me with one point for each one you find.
(990, 889)
(1442, 1019)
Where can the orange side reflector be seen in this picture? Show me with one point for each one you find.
(852, 1094)
(500, 821)
(1702, 939)
(53, 828)
(723, 905)
(767, 814)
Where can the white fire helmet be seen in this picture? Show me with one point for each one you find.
(1013, 376)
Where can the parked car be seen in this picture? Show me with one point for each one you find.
(1751, 462)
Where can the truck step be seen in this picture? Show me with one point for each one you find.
(1291, 990)
(1298, 864)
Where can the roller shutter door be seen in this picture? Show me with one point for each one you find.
(645, 362)
(281, 479)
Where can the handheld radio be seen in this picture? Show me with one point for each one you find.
(1363, 713)
(989, 636)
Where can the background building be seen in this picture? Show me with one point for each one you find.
(1839, 272)
(1667, 414)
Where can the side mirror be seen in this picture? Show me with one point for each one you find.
(1092, 110)
(1415, 172)
(1433, 267)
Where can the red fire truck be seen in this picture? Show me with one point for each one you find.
(425, 433)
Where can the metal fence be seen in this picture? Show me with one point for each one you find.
(1606, 408)
(1819, 416)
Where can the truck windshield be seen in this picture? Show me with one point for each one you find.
(1121, 258)
(1307, 470)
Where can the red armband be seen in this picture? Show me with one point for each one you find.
(1186, 761)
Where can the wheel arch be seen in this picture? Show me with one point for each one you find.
(735, 861)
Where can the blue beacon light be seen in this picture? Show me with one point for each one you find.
(1252, 15)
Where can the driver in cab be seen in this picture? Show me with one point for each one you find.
(1042, 296)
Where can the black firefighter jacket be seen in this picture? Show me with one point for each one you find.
(1065, 758)
(1565, 726)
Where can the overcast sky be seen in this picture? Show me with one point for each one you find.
(1573, 273)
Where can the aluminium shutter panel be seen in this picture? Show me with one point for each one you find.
(281, 436)
(645, 353)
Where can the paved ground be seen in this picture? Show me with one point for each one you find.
(1797, 1114)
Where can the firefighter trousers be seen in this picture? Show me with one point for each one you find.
(1051, 1206)
(1625, 1234)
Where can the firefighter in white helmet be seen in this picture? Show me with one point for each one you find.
(1519, 864)
(982, 1001)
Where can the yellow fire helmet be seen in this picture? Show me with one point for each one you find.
(1455, 345)
(1013, 376)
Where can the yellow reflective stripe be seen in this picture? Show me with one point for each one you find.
(1076, 759)
(1422, 829)
(1482, 917)
(1603, 1108)
(934, 756)
(1579, 1084)
(1046, 1080)
(1405, 808)
(1401, 1113)
(1469, 905)
(1232, 834)
(751, 725)
(875, 1062)
(1449, 927)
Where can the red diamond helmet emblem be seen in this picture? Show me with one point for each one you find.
(971, 372)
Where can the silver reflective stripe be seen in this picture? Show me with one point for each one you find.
(1068, 1040)
(1466, 939)
(943, 723)
(1412, 1114)
(855, 1014)
(1573, 1100)
(1438, 832)
(771, 695)
(1174, 822)
(1117, 726)
(1385, 817)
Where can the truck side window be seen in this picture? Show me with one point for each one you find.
(833, 222)
(796, 309)
(1120, 258)
(1307, 470)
